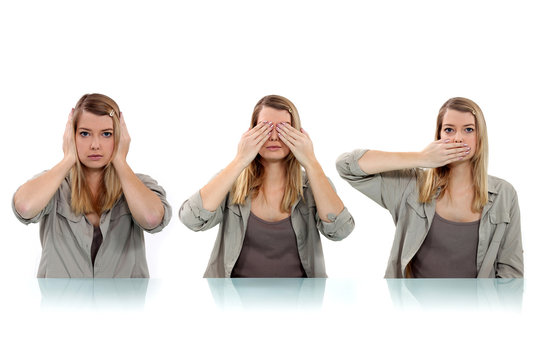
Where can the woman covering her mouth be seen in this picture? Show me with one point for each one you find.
(452, 219)
(91, 207)
(270, 212)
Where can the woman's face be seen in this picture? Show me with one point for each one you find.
(94, 139)
(274, 149)
(460, 127)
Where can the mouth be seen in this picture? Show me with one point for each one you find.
(95, 157)
(273, 147)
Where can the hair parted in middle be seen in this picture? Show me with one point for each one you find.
(250, 181)
(436, 179)
(110, 189)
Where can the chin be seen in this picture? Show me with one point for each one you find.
(94, 166)
(273, 157)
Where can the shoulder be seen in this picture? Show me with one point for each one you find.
(145, 178)
(500, 186)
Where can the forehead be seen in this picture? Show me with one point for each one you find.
(273, 115)
(458, 118)
(91, 121)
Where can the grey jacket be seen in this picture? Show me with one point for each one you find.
(500, 252)
(66, 238)
(232, 220)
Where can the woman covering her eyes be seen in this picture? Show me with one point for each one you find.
(452, 219)
(270, 212)
(91, 207)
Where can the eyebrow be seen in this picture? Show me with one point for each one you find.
(455, 125)
(86, 129)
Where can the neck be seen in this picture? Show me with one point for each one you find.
(93, 178)
(461, 177)
(274, 175)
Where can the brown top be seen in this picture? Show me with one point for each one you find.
(449, 250)
(269, 250)
(232, 220)
(96, 243)
(500, 250)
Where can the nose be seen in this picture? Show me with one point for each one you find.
(458, 138)
(95, 143)
(274, 134)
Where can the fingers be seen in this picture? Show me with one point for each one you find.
(286, 130)
(259, 134)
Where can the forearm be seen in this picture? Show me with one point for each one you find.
(35, 194)
(374, 162)
(213, 193)
(145, 206)
(326, 199)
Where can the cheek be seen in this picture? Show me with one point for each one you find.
(109, 146)
(79, 145)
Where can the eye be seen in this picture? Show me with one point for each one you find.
(448, 130)
(107, 134)
(84, 133)
(469, 130)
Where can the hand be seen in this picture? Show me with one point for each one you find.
(443, 152)
(68, 145)
(252, 141)
(299, 142)
(122, 147)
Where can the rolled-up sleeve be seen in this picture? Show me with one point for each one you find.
(196, 217)
(386, 189)
(45, 211)
(160, 192)
(339, 227)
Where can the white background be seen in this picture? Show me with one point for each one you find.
(187, 75)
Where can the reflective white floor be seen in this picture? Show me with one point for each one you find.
(270, 319)
(290, 294)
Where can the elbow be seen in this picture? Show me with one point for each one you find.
(154, 218)
(23, 208)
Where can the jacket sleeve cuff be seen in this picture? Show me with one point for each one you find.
(353, 166)
(152, 184)
(20, 218)
(339, 227)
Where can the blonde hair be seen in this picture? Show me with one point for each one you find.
(110, 189)
(250, 181)
(437, 178)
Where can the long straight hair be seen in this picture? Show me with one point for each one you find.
(110, 189)
(250, 181)
(438, 178)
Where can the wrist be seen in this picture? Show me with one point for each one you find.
(312, 166)
(119, 163)
(239, 163)
(67, 162)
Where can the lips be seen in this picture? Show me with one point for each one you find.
(95, 157)
(273, 147)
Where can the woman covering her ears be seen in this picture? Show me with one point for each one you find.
(452, 219)
(269, 211)
(91, 207)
